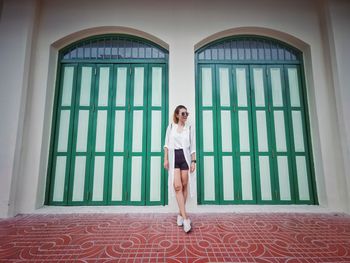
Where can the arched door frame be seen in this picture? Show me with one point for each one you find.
(72, 42)
(273, 35)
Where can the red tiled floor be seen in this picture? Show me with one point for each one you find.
(156, 238)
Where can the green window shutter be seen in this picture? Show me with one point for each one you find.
(254, 144)
(110, 120)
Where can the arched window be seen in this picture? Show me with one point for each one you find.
(114, 47)
(249, 49)
(109, 121)
(253, 134)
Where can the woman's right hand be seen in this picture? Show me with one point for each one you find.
(166, 164)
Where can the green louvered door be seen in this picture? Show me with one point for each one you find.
(299, 140)
(272, 148)
(62, 157)
(108, 137)
(253, 141)
(234, 134)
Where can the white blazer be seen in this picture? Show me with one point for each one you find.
(189, 148)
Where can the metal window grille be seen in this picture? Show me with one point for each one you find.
(113, 48)
(249, 48)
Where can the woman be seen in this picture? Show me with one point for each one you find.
(179, 159)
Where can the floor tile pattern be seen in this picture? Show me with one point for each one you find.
(247, 237)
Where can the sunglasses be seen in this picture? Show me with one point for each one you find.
(184, 114)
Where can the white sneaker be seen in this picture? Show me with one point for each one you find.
(180, 220)
(187, 225)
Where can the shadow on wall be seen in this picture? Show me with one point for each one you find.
(65, 41)
(1, 7)
(258, 31)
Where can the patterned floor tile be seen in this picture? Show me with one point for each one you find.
(247, 237)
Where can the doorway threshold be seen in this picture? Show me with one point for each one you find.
(191, 209)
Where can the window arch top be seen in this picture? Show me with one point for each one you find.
(249, 49)
(114, 47)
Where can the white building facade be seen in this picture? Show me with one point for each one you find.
(88, 89)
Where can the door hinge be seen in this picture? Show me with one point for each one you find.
(130, 69)
(95, 71)
(126, 195)
(273, 154)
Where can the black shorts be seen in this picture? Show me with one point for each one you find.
(180, 161)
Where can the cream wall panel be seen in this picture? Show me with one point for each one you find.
(198, 21)
(15, 51)
(339, 38)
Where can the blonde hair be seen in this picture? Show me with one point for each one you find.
(177, 111)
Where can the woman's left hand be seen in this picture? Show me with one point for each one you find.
(193, 167)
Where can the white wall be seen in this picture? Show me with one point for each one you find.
(182, 25)
(339, 39)
(16, 28)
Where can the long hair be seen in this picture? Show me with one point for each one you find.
(176, 112)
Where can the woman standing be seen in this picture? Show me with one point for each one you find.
(179, 159)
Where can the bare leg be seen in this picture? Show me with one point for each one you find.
(184, 180)
(179, 192)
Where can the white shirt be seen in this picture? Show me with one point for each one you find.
(179, 138)
(186, 139)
